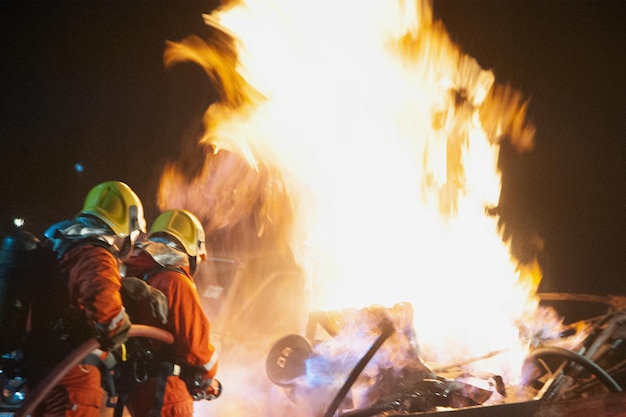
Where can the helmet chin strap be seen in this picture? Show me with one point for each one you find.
(125, 247)
(192, 265)
(127, 243)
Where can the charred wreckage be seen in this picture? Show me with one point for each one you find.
(573, 381)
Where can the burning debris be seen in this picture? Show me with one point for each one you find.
(360, 363)
(389, 374)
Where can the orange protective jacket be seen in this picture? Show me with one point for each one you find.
(94, 283)
(186, 319)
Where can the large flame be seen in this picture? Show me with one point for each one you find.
(356, 138)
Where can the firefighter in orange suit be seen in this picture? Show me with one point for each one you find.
(89, 247)
(185, 370)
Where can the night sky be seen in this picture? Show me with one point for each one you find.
(83, 82)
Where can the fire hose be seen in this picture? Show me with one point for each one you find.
(73, 359)
(387, 329)
(579, 359)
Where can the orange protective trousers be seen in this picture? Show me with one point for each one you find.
(176, 400)
(78, 394)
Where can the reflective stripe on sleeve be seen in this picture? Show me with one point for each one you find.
(211, 364)
(119, 317)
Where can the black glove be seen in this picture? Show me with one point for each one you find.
(111, 339)
(206, 389)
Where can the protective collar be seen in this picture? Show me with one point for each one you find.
(165, 254)
(66, 232)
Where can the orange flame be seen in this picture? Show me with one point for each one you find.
(359, 140)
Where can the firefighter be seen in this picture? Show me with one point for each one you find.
(185, 370)
(89, 247)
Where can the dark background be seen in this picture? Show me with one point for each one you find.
(84, 82)
(569, 57)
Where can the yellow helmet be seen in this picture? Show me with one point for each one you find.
(185, 227)
(118, 206)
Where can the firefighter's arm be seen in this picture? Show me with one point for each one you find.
(209, 388)
(190, 325)
(96, 280)
(193, 343)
